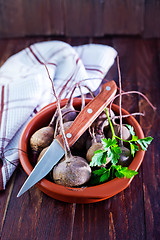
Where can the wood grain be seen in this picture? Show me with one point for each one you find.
(122, 222)
(11, 18)
(4, 201)
(83, 18)
(148, 72)
(123, 17)
(43, 17)
(36, 216)
(131, 214)
(79, 18)
(152, 19)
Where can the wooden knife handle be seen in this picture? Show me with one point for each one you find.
(90, 112)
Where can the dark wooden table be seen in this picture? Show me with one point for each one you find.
(132, 214)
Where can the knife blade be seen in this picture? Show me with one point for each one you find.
(56, 150)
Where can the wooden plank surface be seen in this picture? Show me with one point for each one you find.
(11, 18)
(131, 214)
(148, 71)
(123, 17)
(43, 17)
(152, 19)
(83, 18)
(79, 18)
(128, 201)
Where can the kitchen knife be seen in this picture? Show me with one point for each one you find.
(56, 150)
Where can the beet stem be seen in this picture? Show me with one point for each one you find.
(82, 97)
(120, 99)
(56, 127)
(128, 115)
(92, 133)
(53, 120)
(111, 125)
(70, 100)
(90, 91)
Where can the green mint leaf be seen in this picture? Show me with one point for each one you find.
(99, 158)
(112, 149)
(105, 176)
(100, 171)
(117, 149)
(144, 142)
(124, 172)
(134, 148)
(109, 143)
(101, 175)
(113, 155)
(106, 143)
(131, 129)
(134, 138)
(119, 174)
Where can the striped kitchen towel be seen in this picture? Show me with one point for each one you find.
(25, 87)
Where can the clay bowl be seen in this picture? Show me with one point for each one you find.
(78, 195)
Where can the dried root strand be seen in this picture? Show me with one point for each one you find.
(90, 91)
(68, 111)
(128, 115)
(133, 92)
(67, 149)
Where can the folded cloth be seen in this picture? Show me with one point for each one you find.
(25, 87)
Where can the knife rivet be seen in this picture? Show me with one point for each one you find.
(108, 88)
(89, 110)
(68, 135)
